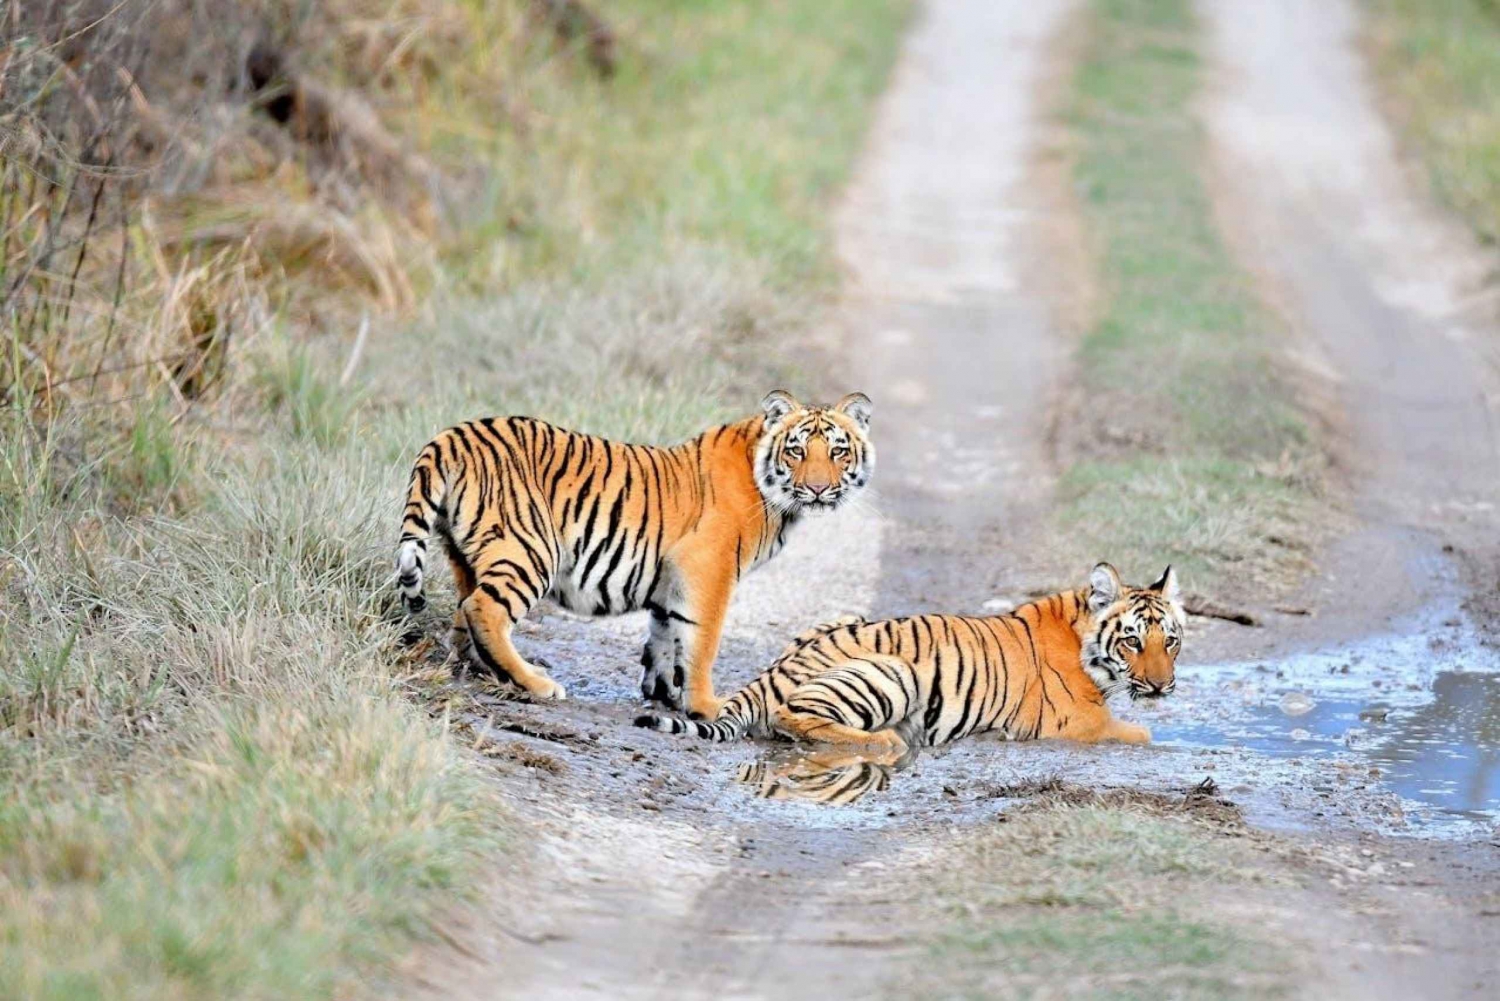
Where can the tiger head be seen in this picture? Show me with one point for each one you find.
(811, 456)
(1135, 634)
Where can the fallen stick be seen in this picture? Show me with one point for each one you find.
(1207, 608)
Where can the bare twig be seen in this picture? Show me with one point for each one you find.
(114, 308)
(1207, 608)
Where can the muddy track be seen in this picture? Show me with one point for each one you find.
(659, 875)
(1381, 293)
(647, 870)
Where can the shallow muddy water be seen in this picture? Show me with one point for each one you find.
(1444, 754)
(1417, 711)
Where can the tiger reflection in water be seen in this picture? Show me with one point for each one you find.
(834, 777)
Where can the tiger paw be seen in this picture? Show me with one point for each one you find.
(659, 687)
(549, 691)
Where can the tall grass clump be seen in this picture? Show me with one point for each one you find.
(214, 787)
(1188, 444)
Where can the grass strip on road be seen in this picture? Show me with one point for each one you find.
(1187, 443)
(1076, 895)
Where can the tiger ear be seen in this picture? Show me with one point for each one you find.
(1104, 587)
(858, 408)
(1167, 585)
(777, 404)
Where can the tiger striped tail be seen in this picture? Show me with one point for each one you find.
(425, 496)
(733, 722)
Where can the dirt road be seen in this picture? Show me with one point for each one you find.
(650, 872)
(1382, 294)
(659, 876)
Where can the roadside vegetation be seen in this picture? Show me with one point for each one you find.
(1439, 62)
(1094, 895)
(1184, 441)
(247, 270)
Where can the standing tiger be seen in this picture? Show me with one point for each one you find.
(528, 510)
(1043, 670)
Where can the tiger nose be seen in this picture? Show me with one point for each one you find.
(818, 489)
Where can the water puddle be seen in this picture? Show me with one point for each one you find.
(1444, 754)
(1416, 712)
(1401, 731)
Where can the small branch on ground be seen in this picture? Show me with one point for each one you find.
(1207, 608)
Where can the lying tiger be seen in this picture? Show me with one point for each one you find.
(528, 510)
(1043, 670)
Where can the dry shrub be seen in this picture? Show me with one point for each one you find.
(169, 169)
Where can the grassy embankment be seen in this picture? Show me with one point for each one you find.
(1186, 443)
(211, 783)
(1439, 62)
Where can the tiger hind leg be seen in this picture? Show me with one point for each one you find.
(463, 579)
(820, 729)
(500, 599)
(860, 703)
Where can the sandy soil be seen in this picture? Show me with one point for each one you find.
(651, 872)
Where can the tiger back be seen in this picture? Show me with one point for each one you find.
(1044, 670)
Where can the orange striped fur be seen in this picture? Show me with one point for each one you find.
(527, 510)
(1043, 670)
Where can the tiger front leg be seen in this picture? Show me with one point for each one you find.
(698, 623)
(1098, 724)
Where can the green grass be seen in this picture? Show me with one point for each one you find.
(1088, 901)
(1439, 61)
(652, 159)
(213, 780)
(1108, 954)
(213, 786)
(654, 352)
(308, 400)
(1192, 449)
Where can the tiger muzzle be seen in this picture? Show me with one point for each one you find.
(1151, 689)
